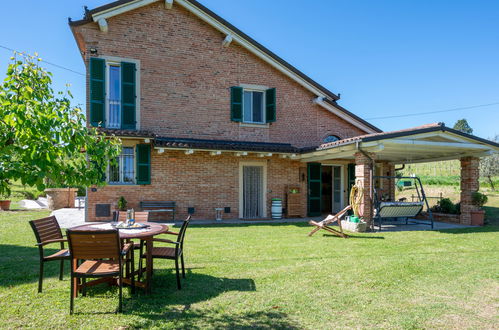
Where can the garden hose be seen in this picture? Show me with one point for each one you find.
(356, 195)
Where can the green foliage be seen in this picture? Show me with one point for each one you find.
(489, 166)
(463, 126)
(42, 137)
(445, 205)
(479, 199)
(122, 202)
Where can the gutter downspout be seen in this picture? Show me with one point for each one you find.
(371, 169)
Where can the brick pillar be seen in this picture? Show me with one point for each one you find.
(469, 185)
(363, 173)
(388, 169)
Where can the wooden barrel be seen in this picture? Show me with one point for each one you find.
(276, 208)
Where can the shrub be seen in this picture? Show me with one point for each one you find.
(445, 205)
(479, 199)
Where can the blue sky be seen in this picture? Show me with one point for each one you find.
(386, 58)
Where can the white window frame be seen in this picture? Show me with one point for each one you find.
(255, 88)
(121, 172)
(109, 64)
(118, 60)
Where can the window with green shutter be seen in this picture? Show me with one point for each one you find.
(143, 156)
(97, 91)
(236, 103)
(128, 97)
(270, 105)
(253, 105)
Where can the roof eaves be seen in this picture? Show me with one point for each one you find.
(470, 136)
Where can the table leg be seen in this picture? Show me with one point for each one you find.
(148, 265)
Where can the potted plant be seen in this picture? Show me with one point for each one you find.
(477, 216)
(122, 202)
(5, 203)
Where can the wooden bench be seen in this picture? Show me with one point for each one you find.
(159, 206)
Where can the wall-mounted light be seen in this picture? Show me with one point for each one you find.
(93, 51)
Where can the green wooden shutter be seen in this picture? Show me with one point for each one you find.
(314, 205)
(270, 105)
(143, 155)
(351, 179)
(128, 97)
(97, 91)
(236, 103)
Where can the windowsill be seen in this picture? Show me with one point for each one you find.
(122, 184)
(262, 125)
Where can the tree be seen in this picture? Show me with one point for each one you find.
(463, 126)
(42, 137)
(489, 166)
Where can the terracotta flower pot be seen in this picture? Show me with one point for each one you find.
(477, 217)
(5, 205)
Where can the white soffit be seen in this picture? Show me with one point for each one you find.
(243, 42)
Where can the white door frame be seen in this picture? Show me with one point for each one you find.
(264, 187)
(342, 184)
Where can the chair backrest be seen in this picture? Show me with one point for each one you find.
(94, 244)
(181, 233)
(139, 216)
(46, 229)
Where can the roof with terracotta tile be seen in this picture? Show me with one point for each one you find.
(404, 132)
(181, 143)
(126, 133)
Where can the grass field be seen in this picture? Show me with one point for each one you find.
(442, 173)
(274, 276)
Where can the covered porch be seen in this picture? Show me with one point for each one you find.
(378, 154)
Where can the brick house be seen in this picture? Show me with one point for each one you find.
(209, 118)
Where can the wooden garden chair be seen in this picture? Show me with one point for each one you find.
(325, 224)
(47, 231)
(97, 254)
(173, 253)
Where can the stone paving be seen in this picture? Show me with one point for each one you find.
(70, 217)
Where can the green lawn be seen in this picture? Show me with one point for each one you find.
(274, 276)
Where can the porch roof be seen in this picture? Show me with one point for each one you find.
(425, 143)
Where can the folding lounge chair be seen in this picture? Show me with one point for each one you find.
(324, 224)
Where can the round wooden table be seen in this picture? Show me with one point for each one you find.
(140, 233)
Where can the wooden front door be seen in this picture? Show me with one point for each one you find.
(314, 189)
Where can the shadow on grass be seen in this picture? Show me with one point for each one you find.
(471, 230)
(243, 225)
(167, 304)
(20, 264)
(217, 320)
(352, 236)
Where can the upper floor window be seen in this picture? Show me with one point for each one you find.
(114, 98)
(112, 94)
(253, 105)
(331, 138)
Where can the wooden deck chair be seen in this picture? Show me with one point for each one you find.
(324, 224)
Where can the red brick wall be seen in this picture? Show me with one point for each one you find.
(186, 74)
(363, 174)
(199, 180)
(470, 172)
